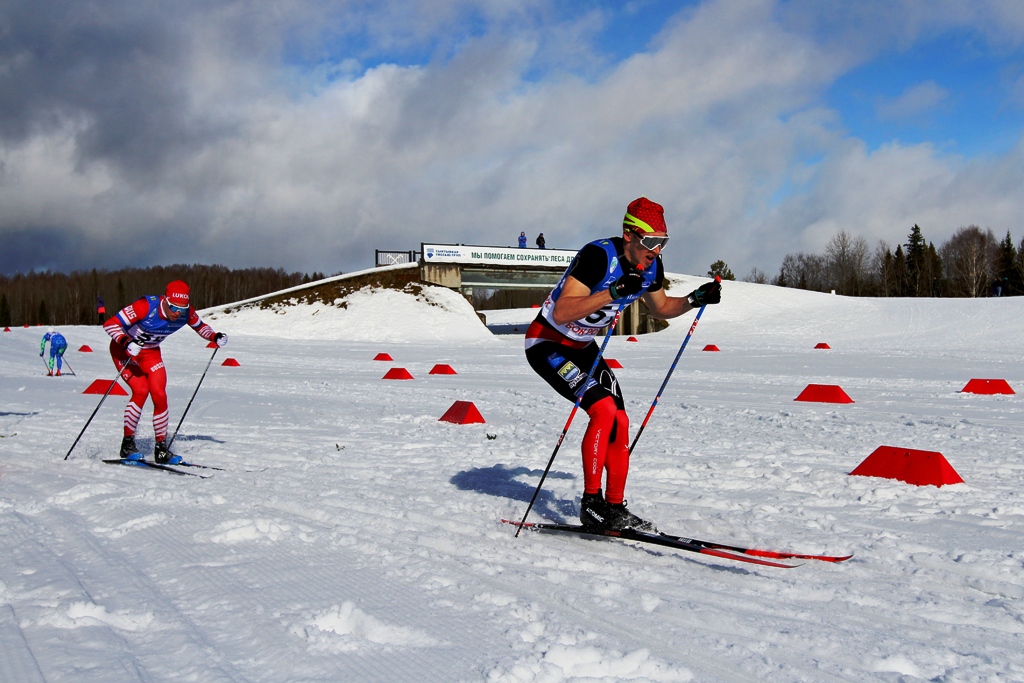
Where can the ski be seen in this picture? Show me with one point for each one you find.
(205, 467)
(153, 465)
(755, 552)
(665, 540)
(760, 552)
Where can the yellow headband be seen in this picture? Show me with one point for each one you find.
(634, 222)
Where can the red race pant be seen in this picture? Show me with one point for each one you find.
(146, 377)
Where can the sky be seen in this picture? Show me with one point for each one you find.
(305, 134)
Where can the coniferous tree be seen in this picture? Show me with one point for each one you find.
(722, 270)
(782, 279)
(1018, 265)
(933, 271)
(916, 257)
(5, 311)
(122, 299)
(900, 273)
(71, 299)
(1007, 275)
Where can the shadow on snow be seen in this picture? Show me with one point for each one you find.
(500, 480)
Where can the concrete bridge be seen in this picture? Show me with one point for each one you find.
(491, 278)
(505, 277)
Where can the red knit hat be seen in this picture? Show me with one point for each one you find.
(177, 294)
(645, 217)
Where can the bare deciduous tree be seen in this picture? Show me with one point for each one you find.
(756, 276)
(847, 260)
(967, 259)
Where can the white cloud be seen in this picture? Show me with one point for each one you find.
(915, 101)
(312, 167)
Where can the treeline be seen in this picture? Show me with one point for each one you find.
(971, 263)
(62, 299)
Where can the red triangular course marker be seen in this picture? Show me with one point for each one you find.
(230, 362)
(383, 356)
(824, 393)
(212, 345)
(613, 364)
(632, 339)
(442, 369)
(920, 468)
(462, 413)
(822, 345)
(987, 386)
(85, 348)
(100, 386)
(711, 347)
(7, 329)
(397, 373)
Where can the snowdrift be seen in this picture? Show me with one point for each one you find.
(762, 316)
(371, 314)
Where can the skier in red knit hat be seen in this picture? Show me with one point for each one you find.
(136, 332)
(561, 348)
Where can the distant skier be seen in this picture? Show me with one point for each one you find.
(58, 345)
(136, 332)
(522, 240)
(541, 242)
(561, 347)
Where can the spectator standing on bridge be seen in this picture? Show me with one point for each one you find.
(561, 347)
(541, 242)
(58, 345)
(522, 240)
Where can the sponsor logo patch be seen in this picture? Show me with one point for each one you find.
(554, 360)
(569, 372)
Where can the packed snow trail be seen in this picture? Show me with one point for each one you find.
(354, 536)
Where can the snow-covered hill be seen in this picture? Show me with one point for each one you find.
(353, 536)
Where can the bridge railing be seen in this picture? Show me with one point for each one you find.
(395, 258)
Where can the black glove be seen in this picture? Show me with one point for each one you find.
(631, 282)
(707, 293)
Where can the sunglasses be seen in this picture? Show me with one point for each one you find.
(652, 243)
(177, 309)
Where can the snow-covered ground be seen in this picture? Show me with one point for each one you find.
(354, 537)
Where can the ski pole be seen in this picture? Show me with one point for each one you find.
(682, 348)
(113, 383)
(215, 350)
(46, 365)
(575, 407)
(70, 368)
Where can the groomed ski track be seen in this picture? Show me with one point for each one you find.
(367, 545)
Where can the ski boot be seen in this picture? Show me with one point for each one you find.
(621, 518)
(129, 451)
(594, 513)
(163, 455)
